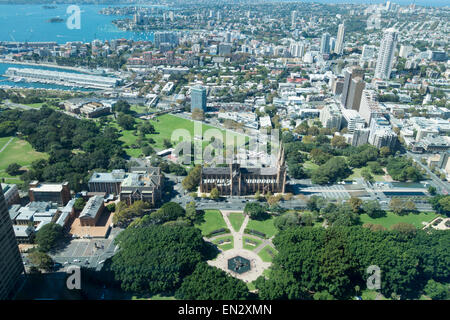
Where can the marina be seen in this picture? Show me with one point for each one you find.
(61, 78)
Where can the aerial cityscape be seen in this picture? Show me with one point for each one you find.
(224, 150)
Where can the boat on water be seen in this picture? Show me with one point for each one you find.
(55, 20)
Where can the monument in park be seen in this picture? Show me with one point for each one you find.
(238, 264)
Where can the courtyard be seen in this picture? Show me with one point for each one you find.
(244, 256)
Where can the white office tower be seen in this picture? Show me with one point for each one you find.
(325, 43)
(352, 119)
(332, 44)
(388, 6)
(218, 16)
(386, 54)
(360, 136)
(381, 134)
(293, 18)
(331, 117)
(369, 107)
(308, 58)
(340, 39)
(405, 51)
(297, 49)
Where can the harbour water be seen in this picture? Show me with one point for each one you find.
(30, 23)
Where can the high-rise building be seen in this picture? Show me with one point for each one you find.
(405, 51)
(349, 75)
(297, 49)
(360, 136)
(369, 107)
(293, 18)
(354, 93)
(340, 39)
(332, 44)
(198, 98)
(325, 43)
(165, 37)
(352, 119)
(386, 54)
(331, 117)
(381, 134)
(11, 266)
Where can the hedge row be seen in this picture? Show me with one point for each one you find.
(217, 232)
(255, 232)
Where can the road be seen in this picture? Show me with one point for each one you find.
(442, 186)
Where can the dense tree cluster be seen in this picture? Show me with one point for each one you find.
(74, 146)
(441, 204)
(49, 236)
(335, 260)
(192, 180)
(210, 283)
(403, 169)
(156, 258)
(333, 170)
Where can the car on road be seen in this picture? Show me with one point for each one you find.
(76, 260)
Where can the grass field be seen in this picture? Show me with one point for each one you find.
(357, 174)
(236, 220)
(266, 273)
(265, 255)
(225, 246)
(17, 151)
(213, 220)
(309, 166)
(251, 286)
(391, 219)
(248, 246)
(265, 226)
(164, 125)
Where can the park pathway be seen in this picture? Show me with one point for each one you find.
(6, 144)
(237, 235)
(257, 265)
(266, 242)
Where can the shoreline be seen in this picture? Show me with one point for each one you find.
(47, 65)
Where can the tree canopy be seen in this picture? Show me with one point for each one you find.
(156, 258)
(211, 283)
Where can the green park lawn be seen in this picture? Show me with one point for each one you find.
(18, 151)
(357, 174)
(164, 125)
(391, 218)
(266, 273)
(236, 220)
(248, 246)
(251, 286)
(265, 255)
(225, 246)
(213, 220)
(310, 166)
(265, 226)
